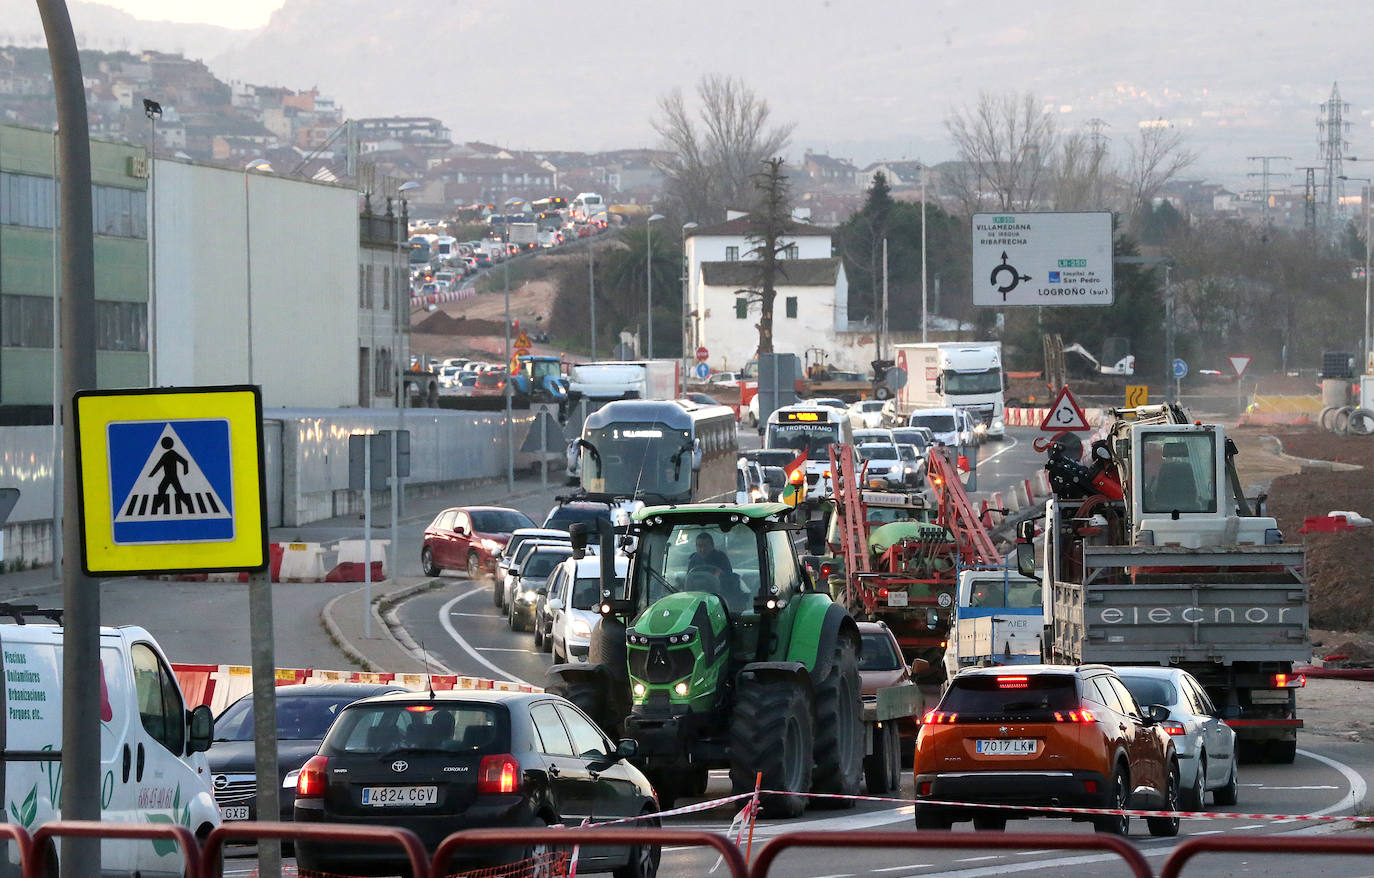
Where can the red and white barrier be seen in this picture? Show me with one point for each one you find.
(463, 292)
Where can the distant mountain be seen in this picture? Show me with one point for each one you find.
(108, 29)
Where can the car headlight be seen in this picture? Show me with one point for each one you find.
(580, 628)
(290, 782)
(981, 428)
(529, 594)
(998, 424)
(492, 545)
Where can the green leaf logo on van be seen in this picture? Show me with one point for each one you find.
(166, 846)
(24, 814)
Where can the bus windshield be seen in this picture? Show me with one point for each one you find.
(638, 458)
(814, 437)
(962, 383)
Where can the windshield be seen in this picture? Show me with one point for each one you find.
(493, 521)
(910, 437)
(299, 717)
(564, 516)
(965, 383)
(877, 452)
(1015, 591)
(586, 592)
(935, 423)
(638, 458)
(878, 652)
(382, 729)
(908, 452)
(770, 457)
(695, 557)
(546, 369)
(813, 438)
(541, 562)
(1178, 472)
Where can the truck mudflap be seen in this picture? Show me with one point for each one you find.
(893, 702)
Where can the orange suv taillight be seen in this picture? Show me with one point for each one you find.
(498, 774)
(1082, 715)
(310, 782)
(940, 717)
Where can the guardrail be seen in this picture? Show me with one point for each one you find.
(1341, 844)
(43, 849)
(626, 836)
(212, 864)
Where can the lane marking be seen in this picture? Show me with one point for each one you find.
(505, 649)
(1209, 832)
(1012, 443)
(902, 868)
(467, 647)
(1315, 787)
(1251, 826)
(976, 859)
(841, 875)
(475, 615)
(1358, 788)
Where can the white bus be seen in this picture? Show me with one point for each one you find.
(810, 429)
(587, 206)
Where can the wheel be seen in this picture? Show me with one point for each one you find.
(538, 633)
(558, 658)
(667, 785)
(1281, 752)
(882, 768)
(644, 858)
(882, 391)
(839, 725)
(1361, 422)
(546, 643)
(1191, 798)
(1167, 827)
(770, 732)
(510, 620)
(1117, 824)
(498, 590)
(930, 817)
(475, 572)
(427, 562)
(1228, 794)
(590, 697)
(990, 822)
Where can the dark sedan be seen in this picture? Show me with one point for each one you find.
(437, 764)
(304, 714)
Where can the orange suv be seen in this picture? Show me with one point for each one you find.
(1043, 735)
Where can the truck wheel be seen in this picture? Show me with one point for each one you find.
(839, 725)
(588, 695)
(883, 768)
(770, 732)
(882, 391)
(1281, 752)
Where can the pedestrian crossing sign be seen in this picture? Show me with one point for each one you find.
(171, 480)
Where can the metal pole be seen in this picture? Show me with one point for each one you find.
(152, 252)
(248, 268)
(80, 594)
(510, 376)
(1367, 360)
(56, 382)
(264, 676)
(882, 336)
(649, 284)
(591, 289)
(1170, 382)
(925, 301)
(367, 536)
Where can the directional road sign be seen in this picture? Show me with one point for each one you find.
(1042, 259)
(1240, 362)
(1065, 414)
(1180, 369)
(171, 480)
(703, 370)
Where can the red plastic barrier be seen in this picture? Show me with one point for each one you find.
(197, 686)
(211, 863)
(1327, 524)
(352, 571)
(274, 553)
(626, 836)
(962, 840)
(1345, 843)
(43, 841)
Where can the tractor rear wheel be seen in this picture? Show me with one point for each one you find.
(770, 733)
(590, 695)
(839, 728)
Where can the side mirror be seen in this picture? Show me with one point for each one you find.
(1025, 559)
(696, 456)
(628, 748)
(201, 723)
(554, 605)
(1155, 713)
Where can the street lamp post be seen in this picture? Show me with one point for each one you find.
(402, 272)
(153, 110)
(1364, 205)
(254, 165)
(649, 279)
(687, 339)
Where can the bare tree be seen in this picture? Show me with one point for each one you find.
(1154, 159)
(717, 152)
(1006, 142)
(1079, 172)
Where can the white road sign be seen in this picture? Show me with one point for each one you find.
(1042, 259)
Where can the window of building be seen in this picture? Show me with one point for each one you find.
(383, 377)
(26, 200)
(791, 305)
(732, 254)
(386, 288)
(367, 288)
(25, 321)
(789, 252)
(120, 213)
(121, 326)
(362, 287)
(741, 308)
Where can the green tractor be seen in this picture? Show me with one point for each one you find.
(718, 651)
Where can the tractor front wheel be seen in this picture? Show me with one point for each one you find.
(770, 733)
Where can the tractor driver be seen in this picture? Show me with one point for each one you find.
(707, 555)
(710, 565)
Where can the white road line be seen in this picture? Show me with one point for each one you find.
(1033, 853)
(1318, 787)
(1250, 826)
(475, 615)
(1209, 832)
(1358, 788)
(1011, 441)
(976, 859)
(841, 875)
(505, 649)
(467, 647)
(902, 868)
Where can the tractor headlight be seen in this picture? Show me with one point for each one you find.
(682, 688)
(639, 689)
(684, 637)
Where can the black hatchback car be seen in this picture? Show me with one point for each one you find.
(469, 759)
(304, 714)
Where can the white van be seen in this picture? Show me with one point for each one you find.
(152, 762)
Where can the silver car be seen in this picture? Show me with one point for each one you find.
(1206, 745)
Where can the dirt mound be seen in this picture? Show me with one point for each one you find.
(1340, 566)
(440, 323)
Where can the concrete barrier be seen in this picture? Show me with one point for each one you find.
(352, 551)
(301, 562)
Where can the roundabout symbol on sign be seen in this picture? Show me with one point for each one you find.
(1016, 277)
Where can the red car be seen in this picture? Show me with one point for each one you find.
(469, 538)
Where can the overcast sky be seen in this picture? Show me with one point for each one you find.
(241, 14)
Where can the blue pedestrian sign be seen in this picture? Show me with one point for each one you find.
(703, 370)
(1180, 369)
(171, 481)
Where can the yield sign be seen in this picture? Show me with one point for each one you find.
(1240, 363)
(1065, 414)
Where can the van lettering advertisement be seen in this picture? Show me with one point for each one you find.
(1198, 615)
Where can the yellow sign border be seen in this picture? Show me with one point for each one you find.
(241, 406)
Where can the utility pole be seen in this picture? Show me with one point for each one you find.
(591, 289)
(925, 300)
(1309, 198)
(1332, 147)
(1264, 174)
(882, 336)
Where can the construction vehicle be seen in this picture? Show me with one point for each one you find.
(1156, 557)
(538, 379)
(905, 572)
(719, 652)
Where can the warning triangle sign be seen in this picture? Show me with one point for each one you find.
(1239, 362)
(171, 487)
(1065, 414)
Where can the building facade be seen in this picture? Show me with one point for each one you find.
(28, 269)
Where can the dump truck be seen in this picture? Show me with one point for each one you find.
(1155, 556)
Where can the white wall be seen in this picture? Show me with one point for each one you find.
(304, 281)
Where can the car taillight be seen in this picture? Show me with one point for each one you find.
(1290, 681)
(1173, 728)
(939, 717)
(1013, 683)
(498, 774)
(827, 570)
(882, 592)
(1082, 715)
(925, 788)
(310, 782)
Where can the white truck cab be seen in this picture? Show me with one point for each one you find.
(999, 620)
(152, 761)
